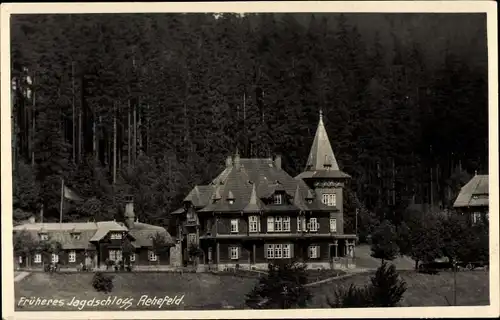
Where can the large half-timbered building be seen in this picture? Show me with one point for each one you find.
(254, 212)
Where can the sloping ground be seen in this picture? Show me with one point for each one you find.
(365, 261)
(423, 289)
(201, 291)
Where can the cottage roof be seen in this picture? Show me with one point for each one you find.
(91, 231)
(474, 193)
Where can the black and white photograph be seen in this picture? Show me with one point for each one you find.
(219, 160)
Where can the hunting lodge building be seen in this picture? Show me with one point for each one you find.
(254, 213)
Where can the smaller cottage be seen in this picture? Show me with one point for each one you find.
(92, 244)
(473, 199)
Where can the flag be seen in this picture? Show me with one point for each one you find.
(71, 195)
(68, 194)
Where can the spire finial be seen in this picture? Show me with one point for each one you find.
(475, 173)
(320, 114)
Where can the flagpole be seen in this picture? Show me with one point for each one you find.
(41, 214)
(62, 201)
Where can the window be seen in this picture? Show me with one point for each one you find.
(476, 217)
(278, 251)
(301, 224)
(44, 236)
(231, 201)
(278, 224)
(234, 253)
(55, 258)
(75, 236)
(115, 255)
(329, 199)
(132, 257)
(190, 216)
(278, 198)
(333, 225)
(152, 256)
(116, 235)
(313, 224)
(72, 256)
(253, 224)
(286, 223)
(286, 251)
(313, 252)
(270, 224)
(234, 225)
(270, 251)
(38, 258)
(191, 238)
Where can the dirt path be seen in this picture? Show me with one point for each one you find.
(21, 276)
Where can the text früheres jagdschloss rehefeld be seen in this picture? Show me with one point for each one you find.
(122, 302)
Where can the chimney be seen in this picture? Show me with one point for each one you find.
(236, 161)
(229, 161)
(277, 161)
(32, 219)
(129, 211)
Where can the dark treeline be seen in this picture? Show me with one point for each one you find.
(151, 104)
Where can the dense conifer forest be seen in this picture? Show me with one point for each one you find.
(151, 104)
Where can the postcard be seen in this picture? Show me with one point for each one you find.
(249, 160)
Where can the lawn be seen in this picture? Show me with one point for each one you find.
(423, 289)
(204, 291)
(201, 291)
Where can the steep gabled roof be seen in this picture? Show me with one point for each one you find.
(260, 175)
(474, 193)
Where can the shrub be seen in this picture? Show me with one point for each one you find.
(282, 288)
(102, 282)
(352, 297)
(385, 290)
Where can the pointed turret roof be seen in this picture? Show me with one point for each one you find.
(321, 156)
(321, 162)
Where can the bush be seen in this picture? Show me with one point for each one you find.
(102, 282)
(352, 297)
(385, 290)
(282, 288)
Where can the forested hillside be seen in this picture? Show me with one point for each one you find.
(151, 104)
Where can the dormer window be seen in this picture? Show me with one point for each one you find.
(278, 198)
(44, 236)
(116, 236)
(230, 197)
(75, 235)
